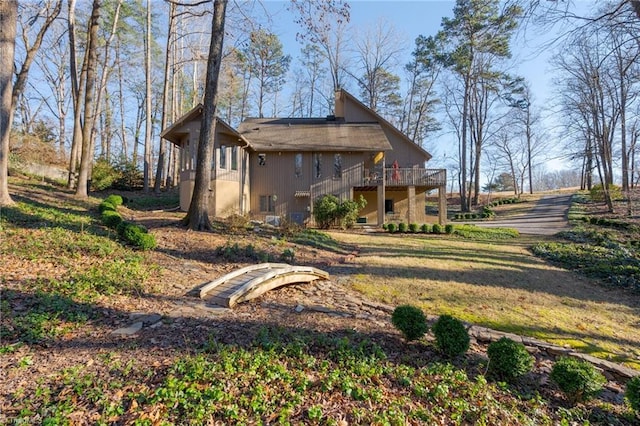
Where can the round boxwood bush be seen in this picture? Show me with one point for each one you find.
(114, 199)
(111, 218)
(448, 228)
(509, 360)
(437, 229)
(632, 393)
(136, 235)
(105, 205)
(413, 228)
(402, 227)
(411, 322)
(452, 338)
(579, 380)
(144, 241)
(426, 228)
(391, 228)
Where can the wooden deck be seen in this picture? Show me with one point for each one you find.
(252, 281)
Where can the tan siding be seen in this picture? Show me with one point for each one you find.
(370, 210)
(407, 154)
(227, 198)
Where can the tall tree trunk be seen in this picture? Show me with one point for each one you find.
(76, 95)
(464, 202)
(89, 117)
(147, 72)
(8, 24)
(105, 73)
(123, 130)
(165, 103)
(198, 215)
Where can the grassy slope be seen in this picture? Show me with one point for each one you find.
(499, 284)
(67, 275)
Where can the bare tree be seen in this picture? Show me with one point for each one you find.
(53, 63)
(197, 217)
(49, 12)
(324, 24)
(165, 99)
(8, 19)
(89, 117)
(377, 52)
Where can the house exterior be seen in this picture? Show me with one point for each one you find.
(282, 165)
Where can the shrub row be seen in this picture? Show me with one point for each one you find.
(487, 210)
(136, 235)
(452, 337)
(413, 228)
(508, 360)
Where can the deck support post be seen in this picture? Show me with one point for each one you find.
(411, 201)
(380, 199)
(442, 201)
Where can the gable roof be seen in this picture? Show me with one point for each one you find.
(313, 134)
(175, 132)
(383, 122)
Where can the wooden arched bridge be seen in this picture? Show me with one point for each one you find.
(252, 281)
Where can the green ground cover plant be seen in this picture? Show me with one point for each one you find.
(280, 379)
(603, 254)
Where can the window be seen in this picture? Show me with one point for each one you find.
(262, 159)
(388, 206)
(223, 157)
(234, 158)
(317, 165)
(267, 204)
(337, 166)
(298, 165)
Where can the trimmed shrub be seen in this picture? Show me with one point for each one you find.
(413, 228)
(391, 228)
(144, 241)
(509, 360)
(402, 227)
(426, 228)
(384, 226)
(105, 205)
(597, 192)
(411, 322)
(578, 380)
(111, 218)
(448, 228)
(632, 393)
(325, 210)
(328, 209)
(103, 175)
(114, 199)
(437, 229)
(452, 338)
(136, 235)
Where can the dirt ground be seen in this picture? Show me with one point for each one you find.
(185, 261)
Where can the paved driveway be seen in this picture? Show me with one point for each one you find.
(547, 217)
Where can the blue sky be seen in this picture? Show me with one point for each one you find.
(421, 17)
(411, 19)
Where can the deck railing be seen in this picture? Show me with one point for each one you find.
(414, 177)
(393, 177)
